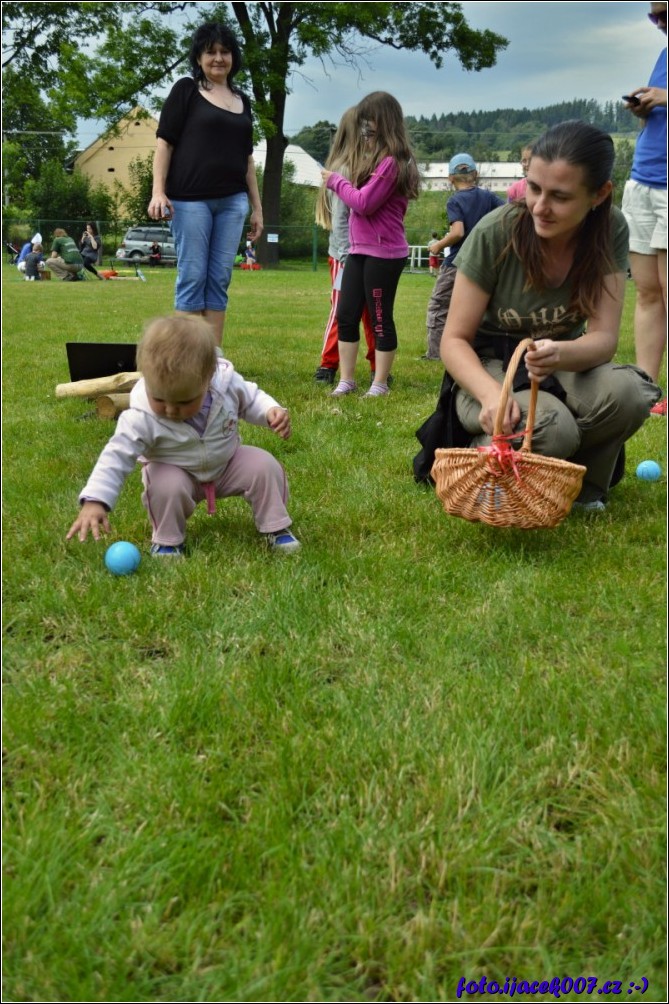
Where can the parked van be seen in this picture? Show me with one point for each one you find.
(138, 240)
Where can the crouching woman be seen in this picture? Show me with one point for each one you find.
(552, 268)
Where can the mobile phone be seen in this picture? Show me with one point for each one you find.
(631, 99)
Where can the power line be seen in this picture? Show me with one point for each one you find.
(35, 132)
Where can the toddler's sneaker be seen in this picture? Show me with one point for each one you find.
(660, 408)
(283, 542)
(167, 550)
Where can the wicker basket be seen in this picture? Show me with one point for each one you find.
(502, 486)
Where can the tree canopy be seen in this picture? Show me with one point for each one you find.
(101, 59)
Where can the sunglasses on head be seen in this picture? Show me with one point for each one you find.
(661, 15)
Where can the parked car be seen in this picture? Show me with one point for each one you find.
(138, 240)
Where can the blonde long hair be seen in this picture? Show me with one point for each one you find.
(344, 157)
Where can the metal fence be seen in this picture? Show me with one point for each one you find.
(303, 242)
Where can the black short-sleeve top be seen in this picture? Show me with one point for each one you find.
(210, 146)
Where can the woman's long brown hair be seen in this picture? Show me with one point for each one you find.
(584, 146)
(391, 140)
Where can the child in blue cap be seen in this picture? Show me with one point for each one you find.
(464, 209)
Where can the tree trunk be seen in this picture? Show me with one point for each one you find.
(268, 251)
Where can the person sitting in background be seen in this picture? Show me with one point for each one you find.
(552, 268)
(464, 209)
(516, 192)
(65, 262)
(34, 263)
(25, 251)
(155, 254)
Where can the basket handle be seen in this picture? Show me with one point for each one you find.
(507, 387)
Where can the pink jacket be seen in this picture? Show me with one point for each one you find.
(376, 223)
(516, 191)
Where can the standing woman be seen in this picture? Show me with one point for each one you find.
(377, 195)
(204, 174)
(90, 247)
(333, 215)
(552, 267)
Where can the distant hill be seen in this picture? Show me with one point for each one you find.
(492, 136)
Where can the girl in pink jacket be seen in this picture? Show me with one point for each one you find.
(381, 184)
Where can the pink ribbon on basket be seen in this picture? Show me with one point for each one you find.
(502, 453)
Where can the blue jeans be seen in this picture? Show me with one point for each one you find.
(207, 236)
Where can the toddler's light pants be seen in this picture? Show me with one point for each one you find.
(171, 493)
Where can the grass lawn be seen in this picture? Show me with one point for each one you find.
(419, 750)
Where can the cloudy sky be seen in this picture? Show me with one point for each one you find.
(557, 51)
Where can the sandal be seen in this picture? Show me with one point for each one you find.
(344, 387)
(377, 390)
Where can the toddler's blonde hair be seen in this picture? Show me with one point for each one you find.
(176, 349)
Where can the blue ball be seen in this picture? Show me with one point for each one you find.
(122, 558)
(648, 470)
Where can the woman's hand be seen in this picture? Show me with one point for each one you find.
(158, 206)
(92, 516)
(255, 225)
(278, 420)
(325, 175)
(488, 413)
(542, 359)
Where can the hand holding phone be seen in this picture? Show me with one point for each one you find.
(631, 99)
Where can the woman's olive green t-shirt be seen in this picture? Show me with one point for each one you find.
(513, 310)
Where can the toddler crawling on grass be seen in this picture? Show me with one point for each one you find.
(182, 427)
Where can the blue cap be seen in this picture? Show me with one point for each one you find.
(462, 163)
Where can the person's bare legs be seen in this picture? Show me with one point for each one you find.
(650, 313)
(384, 364)
(348, 355)
(216, 319)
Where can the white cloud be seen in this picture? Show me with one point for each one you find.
(557, 52)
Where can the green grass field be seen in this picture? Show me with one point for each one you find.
(419, 750)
